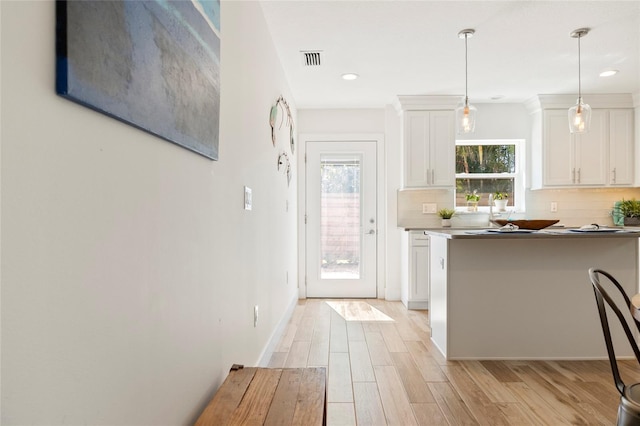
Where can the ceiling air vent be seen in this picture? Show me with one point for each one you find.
(311, 58)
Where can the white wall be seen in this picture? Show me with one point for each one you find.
(129, 267)
(501, 121)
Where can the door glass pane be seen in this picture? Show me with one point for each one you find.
(340, 216)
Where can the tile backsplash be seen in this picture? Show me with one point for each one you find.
(576, 207)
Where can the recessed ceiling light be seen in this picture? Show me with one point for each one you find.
(349, 76)
(608, 73)
(497, 97)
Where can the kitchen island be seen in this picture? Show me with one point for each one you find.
(524, 295)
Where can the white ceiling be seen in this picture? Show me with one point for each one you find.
(520, 49)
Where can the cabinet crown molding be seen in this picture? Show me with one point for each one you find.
(615, 100)
(426, 102)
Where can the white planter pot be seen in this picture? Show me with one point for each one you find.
(501, 205)
(446, 223)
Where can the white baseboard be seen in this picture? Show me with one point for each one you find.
(277, 334)
(419, 305)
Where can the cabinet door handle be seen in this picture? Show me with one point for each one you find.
(433, 176)
(573, 175)
(578, 175)
(613, 178)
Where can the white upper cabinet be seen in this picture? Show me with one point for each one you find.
(429, 148)
(429, 140)
(574, 159)
(621, 147)
(602, 157)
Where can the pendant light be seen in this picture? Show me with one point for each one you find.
(580, 113)
(465, 113)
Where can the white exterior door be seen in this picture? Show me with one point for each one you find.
(341, 221)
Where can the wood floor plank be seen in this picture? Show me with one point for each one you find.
(429, 415)
(377, 349)
(517, 415)
(340, 414)
(420, 320)
(451, 404)
(552, 395)
(368, 405)
(355, 331)
(607, 398)
(500, 371)
(361, 368)
(412, 381)
(536, 405)
(574, 393)
(277, 359)
(496, 390)
(406, 330)
(483, 409)
(429, 368)
(339, 388)
(397, 407)
(305, 328)
(595, 414)
(392, 338)
(318, 351)
(287, 339)
(338, 341)
(298, 354)
(371, 327)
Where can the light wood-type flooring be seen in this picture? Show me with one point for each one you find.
(388, 372)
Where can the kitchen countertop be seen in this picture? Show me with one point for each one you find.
(494, 233)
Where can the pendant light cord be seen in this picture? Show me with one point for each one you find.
(466, 71)
(579, 74)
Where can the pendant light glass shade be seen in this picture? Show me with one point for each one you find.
(465, 117)
(465, 113)
(580, 113)
(579, 117)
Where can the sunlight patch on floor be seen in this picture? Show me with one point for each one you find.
(352, 310)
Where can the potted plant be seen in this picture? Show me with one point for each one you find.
(500, 200)
(630, 210)
(472, 200)
(446, 215)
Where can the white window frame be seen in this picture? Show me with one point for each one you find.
(518, 176)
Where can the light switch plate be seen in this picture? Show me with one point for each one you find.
(247, 198)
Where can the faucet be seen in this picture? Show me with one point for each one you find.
(491, 206)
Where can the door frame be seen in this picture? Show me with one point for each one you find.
(381, 203)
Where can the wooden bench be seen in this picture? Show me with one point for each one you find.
(269, 396)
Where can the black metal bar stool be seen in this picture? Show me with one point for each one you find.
(629, 408)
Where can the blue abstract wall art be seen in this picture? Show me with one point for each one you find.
(153, 64)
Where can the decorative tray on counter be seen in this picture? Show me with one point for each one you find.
(527, 224)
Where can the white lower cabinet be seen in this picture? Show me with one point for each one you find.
(418, 294)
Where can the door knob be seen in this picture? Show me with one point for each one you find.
(371, 231)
